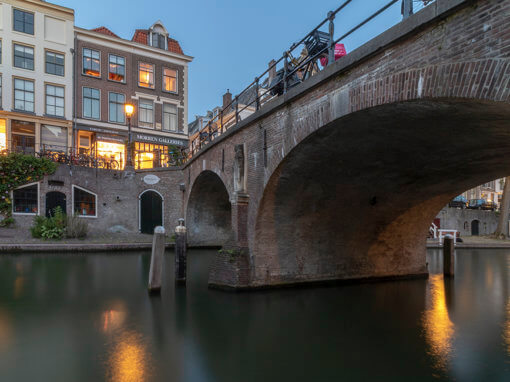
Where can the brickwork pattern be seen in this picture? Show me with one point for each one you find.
(461, 54)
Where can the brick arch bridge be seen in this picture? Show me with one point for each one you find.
(340, 177)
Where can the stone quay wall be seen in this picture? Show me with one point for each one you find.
(118, 192)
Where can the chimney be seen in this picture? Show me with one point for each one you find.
(227, 99)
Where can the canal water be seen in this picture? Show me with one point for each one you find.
(89, 318)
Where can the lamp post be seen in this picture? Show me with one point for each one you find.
(129, 109)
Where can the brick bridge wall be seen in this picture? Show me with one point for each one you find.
(445, 67)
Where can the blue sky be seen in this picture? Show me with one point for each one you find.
(231, 40)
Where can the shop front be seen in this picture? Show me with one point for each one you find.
(107, 146)
(33, 135)
(152, 151)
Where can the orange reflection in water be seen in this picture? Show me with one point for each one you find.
(19, 284)
(506, 328)
(112, 319)
(129, 360)
(439, 330)
(5, 332)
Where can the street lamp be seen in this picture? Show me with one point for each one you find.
(129, 109)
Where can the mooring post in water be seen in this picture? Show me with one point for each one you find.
(158, 249)
(449, 256)
(180, 253)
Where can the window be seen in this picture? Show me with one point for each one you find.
(91, 63)
(0, 91)
(169, 117)
(55, 63)
(55, 100)
(23, 21)
(23, 136)
(84, 202)
(158, 41)
(146, 113)
(91, 106)
(117, 68)
(146, 75)
(23, 57)
(25, 200)
(24, 95)
(170, 80)
(116, 110)
(0, 51)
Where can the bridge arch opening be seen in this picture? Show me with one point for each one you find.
(355, 199)
(209, 211)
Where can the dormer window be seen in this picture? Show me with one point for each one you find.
(158, 40)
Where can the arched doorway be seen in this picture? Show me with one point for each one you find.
(151, 211)
(55, 199)
(475, 228)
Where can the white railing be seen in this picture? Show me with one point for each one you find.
(433, 230)
(444, 232)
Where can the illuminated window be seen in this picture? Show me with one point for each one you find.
(170, 80)
(84, 202)
(55, 63)
(91, 62)
(111, 151)
(146, 113)
(55, 100)
(169, 117)
(117, 68)
(116, 108)
(24, 95)
(23, 57)
(149, 155)
(91, 103)
(23, 21)
(146, 75)
(25, 200)
(3, 135)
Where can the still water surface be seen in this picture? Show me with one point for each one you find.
(89, 318)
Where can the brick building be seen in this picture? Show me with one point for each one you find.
(149, 71)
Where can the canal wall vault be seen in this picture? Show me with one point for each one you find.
(340, 177)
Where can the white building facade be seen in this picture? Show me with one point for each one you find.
(36, 69)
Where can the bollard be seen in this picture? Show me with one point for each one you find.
(449, 256)
(180, 253)
(158, 249)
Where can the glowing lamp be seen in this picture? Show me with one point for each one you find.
(129, 110)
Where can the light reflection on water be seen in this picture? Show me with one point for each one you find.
(89, 318)
(129, 359)
(439, 329)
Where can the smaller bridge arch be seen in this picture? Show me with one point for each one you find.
(209, 211)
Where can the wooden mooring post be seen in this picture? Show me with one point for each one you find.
(449, 256)
(156, 269)
(180, 253)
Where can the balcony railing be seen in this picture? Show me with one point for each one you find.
(112, 161)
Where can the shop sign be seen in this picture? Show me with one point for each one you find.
(151, 179)
(160, 140)
(110, 138)
(100, 130)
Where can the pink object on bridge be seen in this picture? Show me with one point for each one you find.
(339, 52)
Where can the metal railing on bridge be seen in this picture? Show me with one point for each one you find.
(290, 70)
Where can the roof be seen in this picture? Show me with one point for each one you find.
(141, 36)
(104, 30)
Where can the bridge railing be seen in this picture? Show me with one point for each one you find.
(289, 70)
